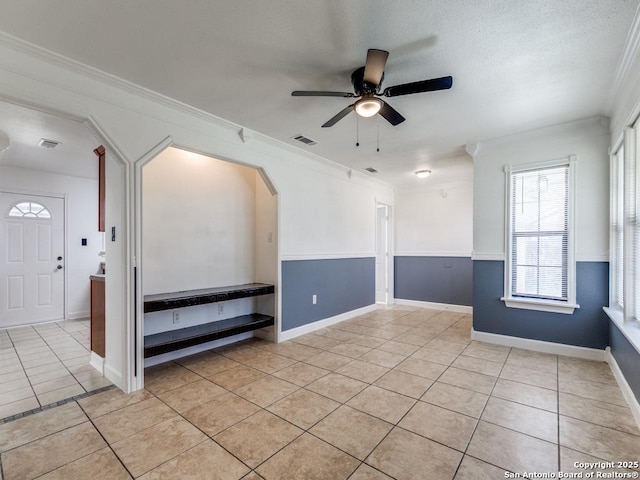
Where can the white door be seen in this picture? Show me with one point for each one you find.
(31, 259)
(382, 253)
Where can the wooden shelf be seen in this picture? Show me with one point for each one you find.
(172, 340)
(189, 298)
(169, 341)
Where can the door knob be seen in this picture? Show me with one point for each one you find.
(59, 267)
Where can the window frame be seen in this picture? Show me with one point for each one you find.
(537, 303)
(617, 229)
(29, 215)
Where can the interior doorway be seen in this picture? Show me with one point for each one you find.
(50, 247)
(31, 266)
(383, 256)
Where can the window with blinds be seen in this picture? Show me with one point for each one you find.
(617, 228)
(625, 228)
(631, 265)
(540, 233)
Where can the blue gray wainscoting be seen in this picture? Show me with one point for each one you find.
(587, 327)
(434, 279)
(627, 358)
(341, 285)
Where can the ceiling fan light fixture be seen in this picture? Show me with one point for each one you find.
(368, 106)
(423, 173)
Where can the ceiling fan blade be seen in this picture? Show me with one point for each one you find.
(391, 115)
(335, 119)
(441, 83)
(303, 93)
(374, 68)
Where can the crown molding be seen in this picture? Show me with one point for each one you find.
(601, 122)
(627, 59)
(69, 64)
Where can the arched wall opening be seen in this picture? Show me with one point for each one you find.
(206, 223)
(70, 176)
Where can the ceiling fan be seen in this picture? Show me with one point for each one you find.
(366, 85)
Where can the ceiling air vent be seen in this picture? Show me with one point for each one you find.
(48, 143)
(303, 139)
(371, 170)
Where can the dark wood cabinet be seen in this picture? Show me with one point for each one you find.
(97, 315)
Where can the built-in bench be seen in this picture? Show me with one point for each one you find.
(172, 340)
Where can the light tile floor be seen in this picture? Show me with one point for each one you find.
(43, 364)
(398, 393)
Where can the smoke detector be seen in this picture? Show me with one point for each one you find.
(48, 143)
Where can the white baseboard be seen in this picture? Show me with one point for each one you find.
(540, 346)
(185, 352)
(78, 315)
(326, 322)
(113, 375)
(631, 399)
(97, 362)
(433, 305)
(267, 333)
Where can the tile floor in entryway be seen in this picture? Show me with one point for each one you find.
(398, 393)
(45, 363)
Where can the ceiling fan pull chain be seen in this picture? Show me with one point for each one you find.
(357, 132)
(377, 133)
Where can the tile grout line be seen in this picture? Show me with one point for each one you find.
(105, 441)
(44, 340)
(396, 425)
(24, 370)
(62, 361)
(475, 428)
(52, 405)
(307, 430)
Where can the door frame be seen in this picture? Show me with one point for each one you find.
(390, 275)
(65, 232)
(123, 375)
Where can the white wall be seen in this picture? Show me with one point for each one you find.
(266, 233)
(435, 219)
(266, 244)
(82, 222)
(587, 139)
(198, 227)
(117, 294)
(322, 212)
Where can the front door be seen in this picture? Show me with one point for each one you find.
(31, 259)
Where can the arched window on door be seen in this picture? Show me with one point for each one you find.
(29, 210)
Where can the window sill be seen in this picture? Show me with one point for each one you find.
(630, 329)
(540, 305)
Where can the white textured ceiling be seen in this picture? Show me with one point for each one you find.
(516, 65)
(25, 127)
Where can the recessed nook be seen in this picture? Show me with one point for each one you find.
(209, 254)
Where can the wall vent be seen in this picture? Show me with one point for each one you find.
(48, 143)
(303, 139)
(371, 170)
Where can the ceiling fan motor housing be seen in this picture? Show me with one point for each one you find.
(360, 87)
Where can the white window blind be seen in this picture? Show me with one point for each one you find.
(632, 225)
(539, 208)
(617, 227)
